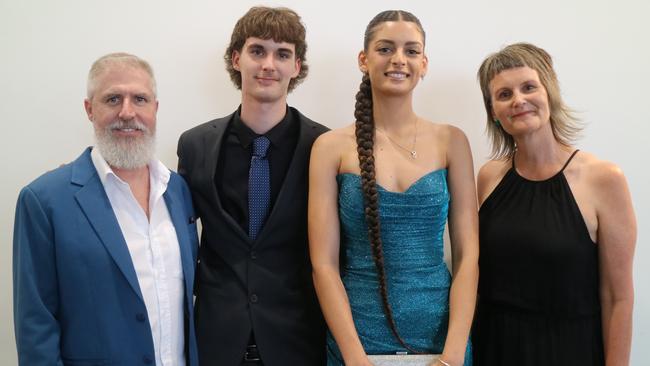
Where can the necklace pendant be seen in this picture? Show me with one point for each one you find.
(414, 154)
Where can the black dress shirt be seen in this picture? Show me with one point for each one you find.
(231, 177)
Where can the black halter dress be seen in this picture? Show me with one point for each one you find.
(538, 287)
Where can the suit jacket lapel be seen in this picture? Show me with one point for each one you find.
(93, 201)
(297, 170)
(212, 142)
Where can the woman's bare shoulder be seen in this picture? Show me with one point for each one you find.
(336, 138)
(444, 134)
(494, 169)
(489, 176)
(443, 129)
(600, 174)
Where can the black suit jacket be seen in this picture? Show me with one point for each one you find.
(263, 285)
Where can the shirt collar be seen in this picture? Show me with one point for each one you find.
(158, 173)
(277, 135)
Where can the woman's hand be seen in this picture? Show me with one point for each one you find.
(362, 361)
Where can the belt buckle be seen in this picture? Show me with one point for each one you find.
(251, 354)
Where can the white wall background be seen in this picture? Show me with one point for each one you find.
(601, 50)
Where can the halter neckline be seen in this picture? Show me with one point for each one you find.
(554, 175)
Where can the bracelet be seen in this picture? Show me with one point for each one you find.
(443, 362)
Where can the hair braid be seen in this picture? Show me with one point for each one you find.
(364, 130)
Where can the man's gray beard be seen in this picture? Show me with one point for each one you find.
(126, 152)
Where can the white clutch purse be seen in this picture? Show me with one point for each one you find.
(403, 360)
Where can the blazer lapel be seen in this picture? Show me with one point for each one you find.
(297, 170)
(213, 140)
(95, 204)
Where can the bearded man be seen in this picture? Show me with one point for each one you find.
(104, 248)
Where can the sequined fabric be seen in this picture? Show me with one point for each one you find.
(412, 228)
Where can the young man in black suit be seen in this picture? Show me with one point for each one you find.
(255, 301)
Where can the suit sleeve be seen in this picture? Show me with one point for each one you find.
(182, 156)
(183, 166)
(187, 199)
(36, 296)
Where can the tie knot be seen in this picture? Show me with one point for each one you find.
(261, 146)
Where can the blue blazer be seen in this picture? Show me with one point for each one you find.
(76, 295)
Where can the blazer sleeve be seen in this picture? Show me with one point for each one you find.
(181, 152)
(35, 291)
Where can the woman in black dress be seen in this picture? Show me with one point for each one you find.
(556, 227)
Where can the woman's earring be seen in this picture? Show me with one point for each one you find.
(497, 123)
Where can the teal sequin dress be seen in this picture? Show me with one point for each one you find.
(412, 228)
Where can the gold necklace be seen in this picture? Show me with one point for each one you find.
(414, 154)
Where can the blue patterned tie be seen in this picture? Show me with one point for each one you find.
(259, 187)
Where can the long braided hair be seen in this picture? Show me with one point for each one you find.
(365, 134)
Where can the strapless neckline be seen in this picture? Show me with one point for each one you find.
(410, 188)
(412, 232)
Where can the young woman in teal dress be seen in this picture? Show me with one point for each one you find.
(381, 191)
(557, 229)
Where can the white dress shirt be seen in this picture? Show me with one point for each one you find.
(155, 254)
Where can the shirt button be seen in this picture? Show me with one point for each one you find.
(140, 317)
(253, 255)
(147, 360)
(253, 298)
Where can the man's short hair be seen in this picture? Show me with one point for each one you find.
(117, 59)
(279, 24)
